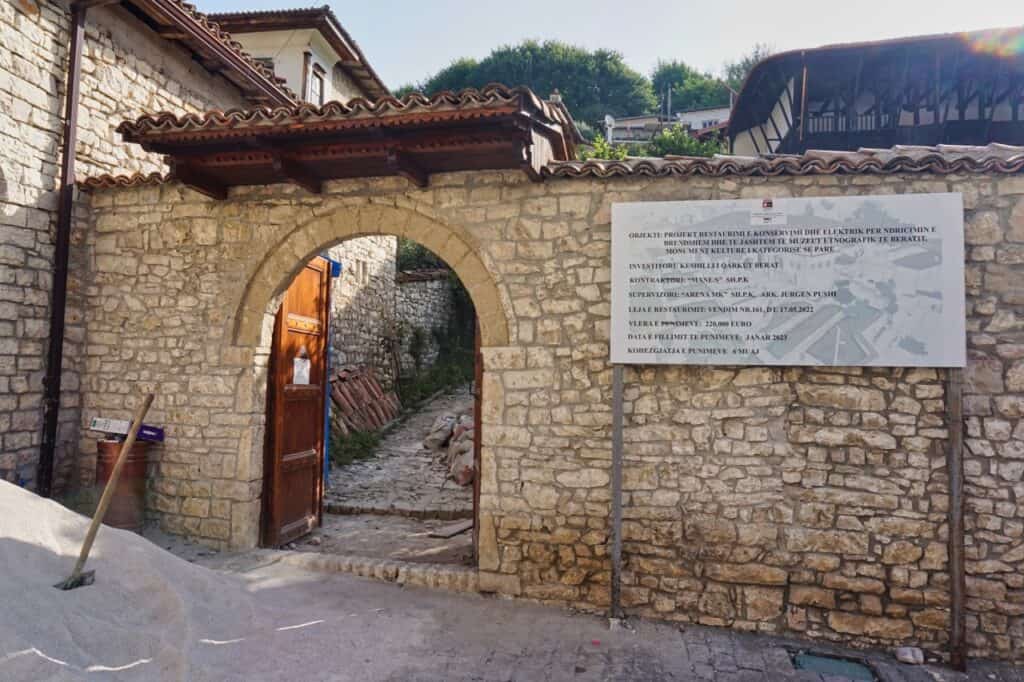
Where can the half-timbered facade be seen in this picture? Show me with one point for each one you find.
(958, 88)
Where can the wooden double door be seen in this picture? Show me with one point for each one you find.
(296, 391)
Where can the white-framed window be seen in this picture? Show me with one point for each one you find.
(316, 85)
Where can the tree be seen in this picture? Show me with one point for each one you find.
(604, 150)
(414, 256)
(403, 90)
(736, 72)
(690, 88)
(592, 83)
(677, 140)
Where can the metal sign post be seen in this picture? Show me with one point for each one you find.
(617, 420)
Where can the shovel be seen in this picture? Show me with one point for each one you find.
(78, 578)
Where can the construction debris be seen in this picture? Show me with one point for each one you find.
(452, 529)
(453, 435)
(440, 432)
(360, 404)
(461, 463)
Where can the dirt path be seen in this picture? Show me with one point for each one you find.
(402, 477)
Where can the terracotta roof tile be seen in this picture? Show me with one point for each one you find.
(224, 38)
(424, 275)
(941, 159)
(107, 181)
(465, 103)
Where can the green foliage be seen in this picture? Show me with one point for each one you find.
(461, 331)
(453, 368)
(592, 83)
(403, 90)
(736, 72)
(352, 447)
(417, 346)
(691, 89)
(604, 150)
(677, 140)
(414, 256)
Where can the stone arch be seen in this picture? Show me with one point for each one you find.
(456, 247)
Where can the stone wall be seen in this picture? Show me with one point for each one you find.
(424, 305)
(127, 70)
(363, 314)
(782, 500)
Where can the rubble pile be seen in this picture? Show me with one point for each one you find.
(451, 437)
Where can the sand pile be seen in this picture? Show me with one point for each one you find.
(144, 617)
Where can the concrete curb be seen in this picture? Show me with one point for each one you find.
(440, 577)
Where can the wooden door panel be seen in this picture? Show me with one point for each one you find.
(296, 394)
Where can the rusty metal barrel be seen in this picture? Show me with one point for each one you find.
(128, 506)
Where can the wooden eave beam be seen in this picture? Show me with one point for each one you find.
(175, 15)
(454, 137)
(400, 162)
(89, 4)
(199, 181)
(171, 33)
(298, 173)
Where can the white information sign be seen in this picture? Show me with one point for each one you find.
(840, 281)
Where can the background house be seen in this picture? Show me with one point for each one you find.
(958, 88)
(309, 49)
(700, 122)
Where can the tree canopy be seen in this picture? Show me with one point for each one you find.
(736, 72)
(690, 88)
(592, 83)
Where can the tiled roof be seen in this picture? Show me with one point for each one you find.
(321, 18)
(424, 275)
(108, 181)
(207, 36)
(941, 159)
(469, 103)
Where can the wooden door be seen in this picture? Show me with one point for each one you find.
(297, 377)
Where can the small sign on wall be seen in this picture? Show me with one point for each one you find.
(300, 367)
(835, 281)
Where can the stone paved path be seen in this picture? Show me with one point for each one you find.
(402, 477)
(389, 537)
(356, 629)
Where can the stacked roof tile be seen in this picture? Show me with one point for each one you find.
(469, 103)
(940, 159)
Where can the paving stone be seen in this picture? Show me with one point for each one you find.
(402, 477)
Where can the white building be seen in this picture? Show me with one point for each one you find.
(309, 49)
(704, 117)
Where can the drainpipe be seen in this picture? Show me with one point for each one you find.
(58, 301)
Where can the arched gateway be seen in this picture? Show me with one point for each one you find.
(453, 245)
(812, 500)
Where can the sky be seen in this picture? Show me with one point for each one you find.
(407, 41)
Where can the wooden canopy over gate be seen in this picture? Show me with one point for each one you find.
(493, 128)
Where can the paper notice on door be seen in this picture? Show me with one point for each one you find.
(300, 371)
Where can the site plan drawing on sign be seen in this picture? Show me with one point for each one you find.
(833, 281)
